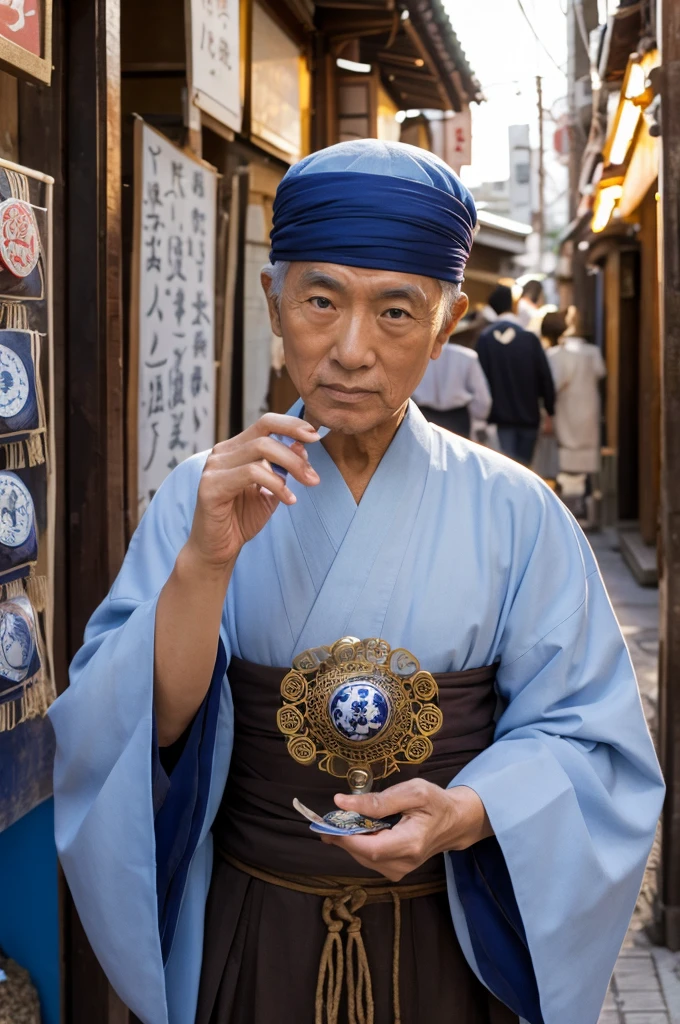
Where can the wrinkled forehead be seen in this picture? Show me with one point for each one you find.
(362, 281)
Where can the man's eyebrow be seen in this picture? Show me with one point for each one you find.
(405, 291)
(312, 278)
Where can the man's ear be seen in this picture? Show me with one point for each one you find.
(459, 310)
(272, 303)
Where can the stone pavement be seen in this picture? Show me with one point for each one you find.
(645, 988)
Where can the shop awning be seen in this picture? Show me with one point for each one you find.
(421, 62)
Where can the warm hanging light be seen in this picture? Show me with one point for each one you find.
(353, 65)
(629, 114)
(607, 198)
(637, 82)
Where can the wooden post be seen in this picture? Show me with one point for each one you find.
(94, 483)
(669, 703)
(650, 373)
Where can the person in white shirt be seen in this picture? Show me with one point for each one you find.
(454, 390)
(577, 368)
(529, 304)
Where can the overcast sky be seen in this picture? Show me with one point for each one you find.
(506, 58)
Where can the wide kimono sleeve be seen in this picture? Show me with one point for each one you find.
(571, 785)
(109, 783)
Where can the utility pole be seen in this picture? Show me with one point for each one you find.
(668, 30)
(540, 227)
(582, 18)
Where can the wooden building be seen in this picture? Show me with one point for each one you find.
(612, 259)
(621, 256)
(295, 76)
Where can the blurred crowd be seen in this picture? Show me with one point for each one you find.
(519, 376)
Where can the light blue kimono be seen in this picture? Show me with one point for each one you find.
(455, 553)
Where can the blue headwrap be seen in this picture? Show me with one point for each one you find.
(383, 205)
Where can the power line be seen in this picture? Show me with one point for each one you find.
(537, 37)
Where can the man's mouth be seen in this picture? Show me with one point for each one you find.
(341, 393)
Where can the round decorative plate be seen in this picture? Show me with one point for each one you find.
(359, 710)
(17, 512)
(19, 238)
(14, 383)
(17, 639)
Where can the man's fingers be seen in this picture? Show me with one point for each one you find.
(275, 423)
(224, 485)
(294, 460)
(384, 852)
(405, 796)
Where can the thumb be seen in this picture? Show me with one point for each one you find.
(405, 796)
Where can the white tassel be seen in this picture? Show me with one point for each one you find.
(35, 449)
(32, 703)
(15, 588)
(14, 455)
(36, 588)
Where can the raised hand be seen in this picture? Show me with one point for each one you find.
(239, 490)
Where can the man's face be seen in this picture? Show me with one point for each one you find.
(356, 341)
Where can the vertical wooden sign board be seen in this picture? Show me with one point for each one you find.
(171, 410)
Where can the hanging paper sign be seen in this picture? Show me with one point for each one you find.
(18, 535)
(19, 239)
(21, 405)
(24, 687)
(214, 48)
(22, 408)
(19, 656)
(15, 386)
(173, 309)
(17, 514)
(28, 286)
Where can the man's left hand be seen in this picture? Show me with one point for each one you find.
(433, 820)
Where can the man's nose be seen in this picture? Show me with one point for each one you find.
(353, 348)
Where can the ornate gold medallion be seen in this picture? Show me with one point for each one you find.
(359, 709)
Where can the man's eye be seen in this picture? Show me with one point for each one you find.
(321, 302)
(396, 314)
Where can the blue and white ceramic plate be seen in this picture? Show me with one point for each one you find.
(341, 823)
(15, 386)
(17, 512)
(18, 648)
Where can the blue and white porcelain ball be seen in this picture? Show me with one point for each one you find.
(359, 710)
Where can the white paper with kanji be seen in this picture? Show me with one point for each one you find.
(214, 41)
(176, 259)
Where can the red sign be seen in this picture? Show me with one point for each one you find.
(20, 23)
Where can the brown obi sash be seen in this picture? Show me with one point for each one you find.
(256, 823)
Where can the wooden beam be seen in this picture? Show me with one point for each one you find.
(324, 114)
(669, 695)
(339, 23)
(428, 61)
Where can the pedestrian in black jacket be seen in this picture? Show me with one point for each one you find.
(519, 377)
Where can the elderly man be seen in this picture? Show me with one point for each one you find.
(444, 618)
